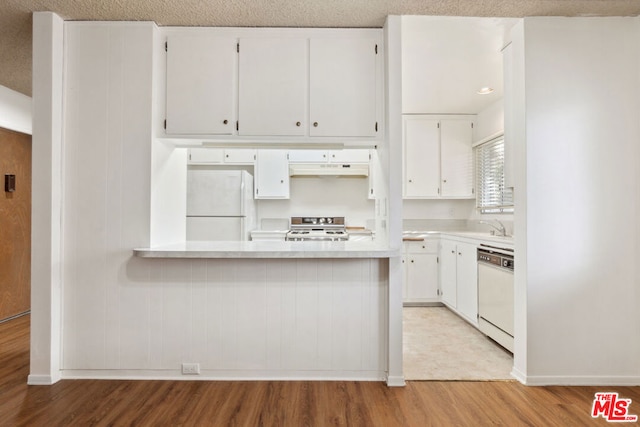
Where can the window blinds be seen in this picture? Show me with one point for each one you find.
(491, 194)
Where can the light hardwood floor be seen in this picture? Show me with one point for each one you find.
(286, 403)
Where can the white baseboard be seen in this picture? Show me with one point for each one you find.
(224, 375)
(518, 375)
(395, 381)
(42, 379)
(604, 381)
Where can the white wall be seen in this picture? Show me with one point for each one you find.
(107, 191)
(582, 176)
(438, 209)
(489, 121)
(127, 317)
(15, 111)
(390, 212)
(46, 204)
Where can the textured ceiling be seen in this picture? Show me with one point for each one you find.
(15, 17)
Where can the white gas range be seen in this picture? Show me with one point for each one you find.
(317, 229)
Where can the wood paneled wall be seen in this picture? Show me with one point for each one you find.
(15, 224)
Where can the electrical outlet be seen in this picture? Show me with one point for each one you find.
(190, 369)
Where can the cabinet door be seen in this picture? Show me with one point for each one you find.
(467, 281)
(308, 156)
(206, 156)
(448, 261)
(405, 277)
(201, 82)
(342, 87)
(456, 137)
(271, 175)
(239, 156)
(422, 281)
(272, 86)
(421, 145)
(351, 155)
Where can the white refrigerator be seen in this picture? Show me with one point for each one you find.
(220, 204)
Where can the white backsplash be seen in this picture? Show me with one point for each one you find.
(327, 196)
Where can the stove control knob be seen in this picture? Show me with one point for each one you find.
(321, 220)
(329, 220)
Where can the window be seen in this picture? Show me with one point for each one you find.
(491, 194)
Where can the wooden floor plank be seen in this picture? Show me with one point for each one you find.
(281, 403)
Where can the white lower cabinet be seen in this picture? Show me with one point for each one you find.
(459, 277)
(420, 271)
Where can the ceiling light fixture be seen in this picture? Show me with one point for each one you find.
(485, 91)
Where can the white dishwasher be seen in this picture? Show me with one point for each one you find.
(495, 294)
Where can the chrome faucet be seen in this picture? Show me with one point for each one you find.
(502, 230)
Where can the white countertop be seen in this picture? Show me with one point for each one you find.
(475, 235)
(269, 249)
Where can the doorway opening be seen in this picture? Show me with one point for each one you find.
(15, 224)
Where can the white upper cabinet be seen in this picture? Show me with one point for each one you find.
(456, 156)
(271, 175)
(349, 156)
(205, 156)
(343, 87)
(308, 156)
(421, 157)
(353, 155)
(303, 85)
(273, 86)
(201, 82)
(217, 156)
(437, 157)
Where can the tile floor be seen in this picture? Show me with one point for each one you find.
(439, 345)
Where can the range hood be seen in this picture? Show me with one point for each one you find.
(356, 170)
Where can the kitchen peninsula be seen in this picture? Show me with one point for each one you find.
(256, 310)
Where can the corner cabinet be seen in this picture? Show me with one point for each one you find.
(308, 85)
(201, 81)
(438, 157)
(271, 180)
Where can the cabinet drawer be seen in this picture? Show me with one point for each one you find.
(426, 246)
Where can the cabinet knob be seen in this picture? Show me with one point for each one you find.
(282, 181)
(412, 261)
(453, 252)
(315, 124)
(227, 156)
(298, 124)
(459, 253)
(225, 121)
(444, 180)
(410, 180)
